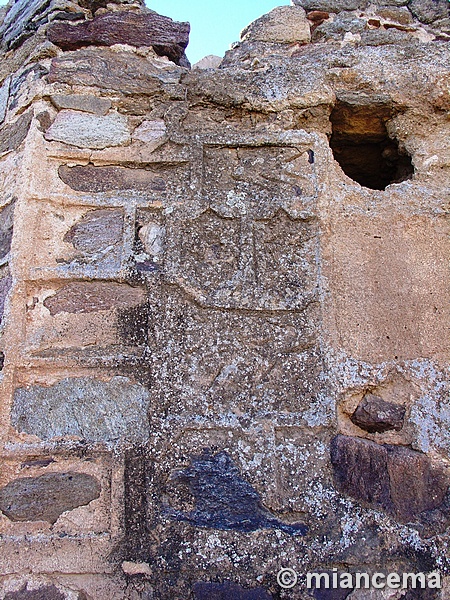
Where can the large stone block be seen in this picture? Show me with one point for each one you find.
(123, 72)
(283, 25)
(89, 131)
(112, 411)
(167, 37)
(401, 481)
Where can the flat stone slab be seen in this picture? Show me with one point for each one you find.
(89, 131)
(167, 37)
(46, 497)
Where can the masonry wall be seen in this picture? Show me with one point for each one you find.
(225, 301)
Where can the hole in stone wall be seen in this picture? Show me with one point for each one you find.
(363, 148)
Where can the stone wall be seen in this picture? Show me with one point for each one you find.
(225, 301)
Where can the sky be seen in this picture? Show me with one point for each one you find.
(214, 24)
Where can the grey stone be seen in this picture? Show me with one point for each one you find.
(284, 24)
(46, 497)
(5, 286)
(97, 231)
(429, 11)
(104, 179)
(88, 408)
(89, 131)
(376, 415)
(120, 71)
(83, 102)
(208, 62)
(13, 134)
(16, 24)
(4, 97)
(6, 229)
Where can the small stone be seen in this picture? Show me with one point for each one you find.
(97, 231)
(168, 38)
(374, 414)
(89, 131)
(106, 179)
(46, 497)
(13, 134)
(83, 102)
(152, 238)
(5, 286)
(135, 568)
(90, 296)
(283, 25)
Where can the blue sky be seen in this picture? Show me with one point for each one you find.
(214, 24)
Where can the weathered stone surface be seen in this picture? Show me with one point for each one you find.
(48, 592)
(6, 229)
(228, 591)
(394, 478)
(106, 179)
(428, 11)
(223, 499)
(18, 23)
(97, 231)
(89, 131)
(82, 297)
(113, 411)
(284, 24)
(13, 134)
(120, 71)
(85, 103)
(46, 497)
(376, 415)
(167, 37)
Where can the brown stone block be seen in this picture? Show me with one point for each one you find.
(373, 414)
(397, 479)
(13, 134)
(167, 37)
(106, 179)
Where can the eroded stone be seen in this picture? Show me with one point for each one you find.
(83, 102)
(167, 37)
(106, 179)
(97, 231)
(120, 71)
(374, 414)
(4, 97)
(86, 296)
(429, 11)
(46, 497)
(113, 411)
(47, 592)
(89, 131)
